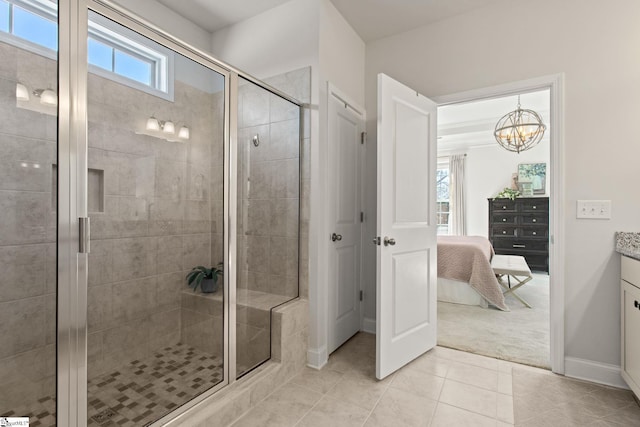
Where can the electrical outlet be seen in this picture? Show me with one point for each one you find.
(593, 209)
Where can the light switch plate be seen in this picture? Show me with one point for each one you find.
(593, 209)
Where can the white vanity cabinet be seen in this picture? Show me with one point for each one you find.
(630, 322)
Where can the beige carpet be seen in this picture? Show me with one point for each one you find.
(520, 335)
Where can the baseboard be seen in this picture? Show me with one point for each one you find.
(369, 325)
(317, 357)
(588, 370)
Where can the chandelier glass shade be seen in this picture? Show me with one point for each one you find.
(519, 130)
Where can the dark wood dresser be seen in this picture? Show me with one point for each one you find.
(521, 227)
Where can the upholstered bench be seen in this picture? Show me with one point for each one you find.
(511, 266)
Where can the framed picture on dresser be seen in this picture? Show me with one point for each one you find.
(534, 174)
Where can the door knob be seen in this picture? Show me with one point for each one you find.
(335, 237)
(389, 242)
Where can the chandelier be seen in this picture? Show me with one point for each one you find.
(519, 130)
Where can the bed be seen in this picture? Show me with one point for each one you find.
(465, 275)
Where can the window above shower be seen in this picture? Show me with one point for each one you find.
(114, 52)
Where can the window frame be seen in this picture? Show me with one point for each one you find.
(104, 31)
(443, 163)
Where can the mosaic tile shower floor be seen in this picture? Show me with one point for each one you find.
(140, 392)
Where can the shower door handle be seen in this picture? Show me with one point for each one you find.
(335, 237)
(84, 235)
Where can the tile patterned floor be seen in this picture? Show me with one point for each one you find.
(142, 391)
(441, 388)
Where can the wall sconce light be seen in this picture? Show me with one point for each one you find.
(164, 129)
(183, 132)
(168, 127)
(47, 96)
(22, 93)
(153, 124)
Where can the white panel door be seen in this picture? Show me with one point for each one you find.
(344, 135)
(406, 255)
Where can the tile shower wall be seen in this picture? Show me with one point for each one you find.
(27, 232)
(297, 83)
(158, 220)
(268, 223)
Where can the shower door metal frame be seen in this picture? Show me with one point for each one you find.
(72, 326)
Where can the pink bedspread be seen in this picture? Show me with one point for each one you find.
(468, 259)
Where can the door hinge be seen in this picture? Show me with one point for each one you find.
(363, 137)
(361, 216)
(361, 295)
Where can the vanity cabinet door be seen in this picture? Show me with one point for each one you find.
(630, 313)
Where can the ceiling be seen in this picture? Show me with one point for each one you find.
(375, 19)
(213, 15)
(462, 126)
(372, 19)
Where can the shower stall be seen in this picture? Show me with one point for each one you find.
(126, 160)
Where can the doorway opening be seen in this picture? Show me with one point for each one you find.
(506, 198)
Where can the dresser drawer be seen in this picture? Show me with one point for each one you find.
(504, 230)
(504, 218)
(533, 231)
(503, 205)
(521, 245)
(534, 205)
(534, 218)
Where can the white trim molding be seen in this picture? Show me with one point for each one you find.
(555, 83)
(317, 357)
(368, 325)
(597, 372)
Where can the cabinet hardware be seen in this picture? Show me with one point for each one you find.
(519, 246)
(335, 237)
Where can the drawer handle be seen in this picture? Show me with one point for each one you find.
(535, 207)
(534, 220)
(534, 233)
(504, 207)
(504, 219)
(504, 232)
(519, 246)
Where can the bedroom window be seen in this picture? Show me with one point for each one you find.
(442, 192)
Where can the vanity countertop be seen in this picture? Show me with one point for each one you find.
(628, 243)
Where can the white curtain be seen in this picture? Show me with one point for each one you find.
(457, 223)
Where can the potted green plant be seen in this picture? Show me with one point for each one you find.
(507, 193)
(206, 278)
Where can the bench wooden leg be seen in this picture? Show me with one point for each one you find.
(509, 289)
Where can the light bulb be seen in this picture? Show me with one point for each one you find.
(183, 132)
(168, 127)
(22, 94)
(152, 124)
(49, 97)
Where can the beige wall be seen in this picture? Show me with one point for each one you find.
(593, 43)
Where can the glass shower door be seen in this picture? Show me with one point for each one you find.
(155, 199)
(28, 203)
